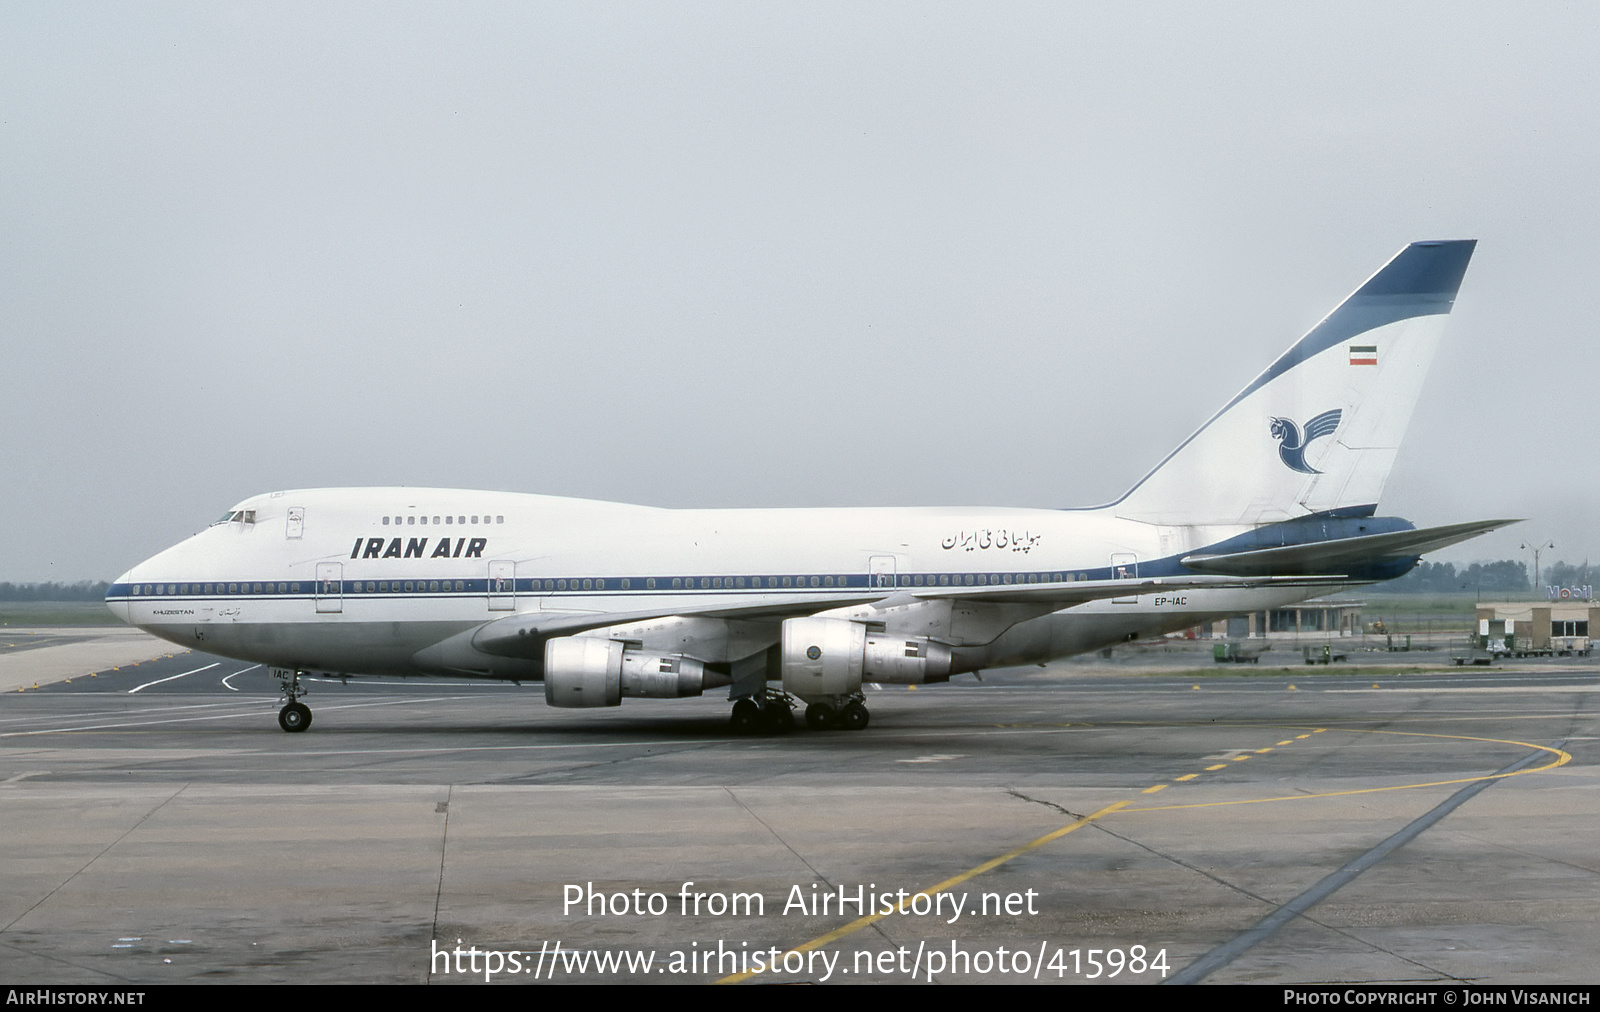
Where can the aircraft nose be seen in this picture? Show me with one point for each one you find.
(117, 596)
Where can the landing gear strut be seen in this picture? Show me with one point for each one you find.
(295, 715)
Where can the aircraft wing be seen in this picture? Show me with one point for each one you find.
(1326, 558)
(1337, 562)
(1069, 594)
(1330, 563)
(524, 634)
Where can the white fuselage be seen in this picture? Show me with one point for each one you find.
(362, 581)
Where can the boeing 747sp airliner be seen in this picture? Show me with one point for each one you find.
(1272, 501)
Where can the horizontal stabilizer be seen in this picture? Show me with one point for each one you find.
(1345, 555)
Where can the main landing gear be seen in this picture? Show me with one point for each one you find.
(295, 715)
(768, 713)
(852, 716)
(772, 712)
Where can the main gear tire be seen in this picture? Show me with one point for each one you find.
(854, 717)
(746, 718)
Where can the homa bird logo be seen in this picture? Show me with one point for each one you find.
(1292, 445)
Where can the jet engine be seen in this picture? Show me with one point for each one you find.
(830, 657)
(590, 671)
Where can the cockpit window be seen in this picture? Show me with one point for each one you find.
(236, 516)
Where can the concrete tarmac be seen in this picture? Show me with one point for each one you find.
(1103, 822)
(30, 657)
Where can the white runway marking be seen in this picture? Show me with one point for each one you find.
(255, 704)
(169, 678)
(141, 723)
(236, 674)
(1457, 690)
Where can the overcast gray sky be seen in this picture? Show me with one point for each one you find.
(758, 254)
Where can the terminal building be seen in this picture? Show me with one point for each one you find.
(1309, 621)
(1556, 626)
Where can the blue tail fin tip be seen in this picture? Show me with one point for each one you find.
(1432, 268)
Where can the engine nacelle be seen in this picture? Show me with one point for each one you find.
(825, 657)
(584, 671)
(822, 656)
(905, 660)
(658, 676)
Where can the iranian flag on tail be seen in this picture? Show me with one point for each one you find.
(1363, 354)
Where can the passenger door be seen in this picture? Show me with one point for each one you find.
(330, 587)
(502, 585)
(1125, 566)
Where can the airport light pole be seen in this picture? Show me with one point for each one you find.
(1536, 549)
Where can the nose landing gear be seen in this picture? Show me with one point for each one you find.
(295, 715)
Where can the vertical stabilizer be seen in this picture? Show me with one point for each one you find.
(1318, 430)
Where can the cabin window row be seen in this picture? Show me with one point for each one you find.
(790, 582)
(650, 583)
(461, 520)
(159, 589)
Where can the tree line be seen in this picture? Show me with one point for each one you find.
(1508, 576)
(83, 590)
